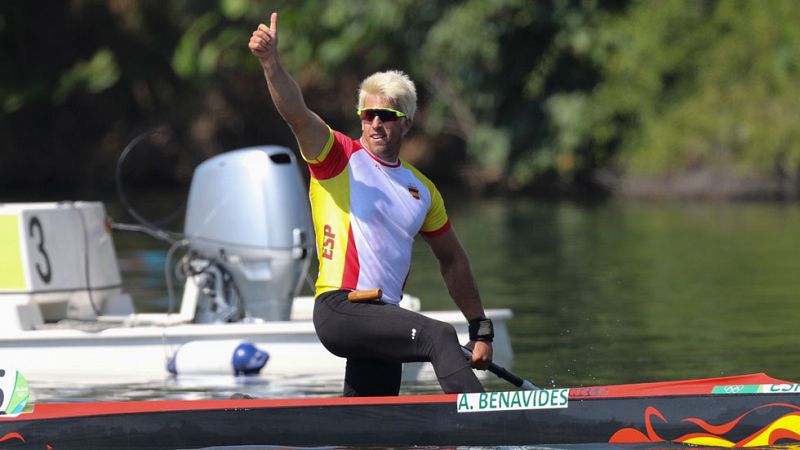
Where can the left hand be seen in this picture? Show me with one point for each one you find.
(481, 355)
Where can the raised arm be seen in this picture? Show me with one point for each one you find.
(457, 273)
(310, 130)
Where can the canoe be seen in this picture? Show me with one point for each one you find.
(740, 411)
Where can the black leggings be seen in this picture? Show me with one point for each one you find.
(376, 338)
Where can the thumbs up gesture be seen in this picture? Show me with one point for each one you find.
(264, 41)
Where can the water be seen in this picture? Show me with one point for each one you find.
(632, 292)
(616, 293)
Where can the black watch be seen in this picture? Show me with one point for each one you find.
(481, 329)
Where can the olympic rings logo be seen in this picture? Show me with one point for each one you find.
(733, 389)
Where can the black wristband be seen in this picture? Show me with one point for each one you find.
(481, 329)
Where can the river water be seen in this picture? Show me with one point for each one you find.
(614, 293)
(633, 292)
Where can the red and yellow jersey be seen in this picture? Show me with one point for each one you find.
(366, 214)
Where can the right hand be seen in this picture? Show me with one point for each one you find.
(264, 41)
(481, 355)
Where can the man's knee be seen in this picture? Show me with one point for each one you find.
(369, 378)
(443, 333)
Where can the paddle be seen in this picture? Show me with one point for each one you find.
(505, 374)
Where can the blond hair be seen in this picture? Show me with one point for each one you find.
(393, 85)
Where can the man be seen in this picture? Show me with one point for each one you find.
(367, 207)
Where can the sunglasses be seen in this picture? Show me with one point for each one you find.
(385, 114)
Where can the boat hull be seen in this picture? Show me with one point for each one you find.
(723, 420)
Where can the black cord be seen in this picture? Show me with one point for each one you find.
(168, 275)
(86, 263)
(147, 226)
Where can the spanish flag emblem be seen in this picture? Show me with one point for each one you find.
(414, 192)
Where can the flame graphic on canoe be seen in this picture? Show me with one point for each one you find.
(785, 427)
(10, 436)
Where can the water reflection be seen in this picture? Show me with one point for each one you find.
(202, 387)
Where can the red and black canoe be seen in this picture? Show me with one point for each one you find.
(742, 411)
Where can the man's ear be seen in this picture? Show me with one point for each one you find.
(407, 123)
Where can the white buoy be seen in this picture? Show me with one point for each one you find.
(234, 357)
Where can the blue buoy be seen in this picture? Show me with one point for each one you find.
(248, 359)
(171, 365)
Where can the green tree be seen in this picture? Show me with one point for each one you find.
(514, 94)
(693, 84)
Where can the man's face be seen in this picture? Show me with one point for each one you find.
(383, 138)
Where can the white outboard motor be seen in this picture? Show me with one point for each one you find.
(248, 225)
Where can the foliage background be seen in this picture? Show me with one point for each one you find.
(694, 98)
